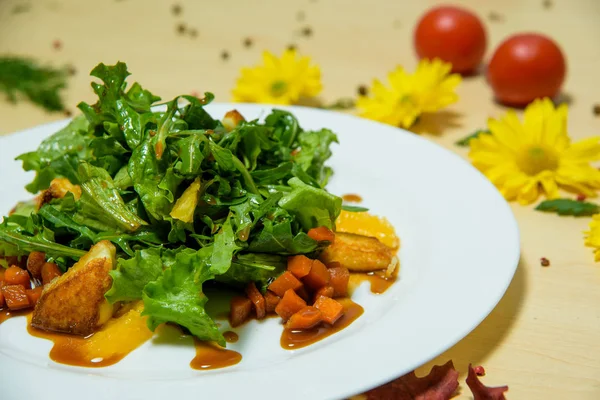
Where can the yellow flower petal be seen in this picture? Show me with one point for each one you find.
(281, 80)
(429, 89)
(535, 156)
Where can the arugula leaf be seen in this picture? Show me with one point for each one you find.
(278, 238)
(20, 235)
(569, 207)
(464, 142)
(26, 78)
(311, 206)
(58, 155)
(99, 191)
(314, 152)
(253, 267)
(224, 248)
(132, 275)
(177, 295)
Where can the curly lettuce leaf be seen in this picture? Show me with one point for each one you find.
(132, 275)
(253, 267)
(311, 206)
(177, 295)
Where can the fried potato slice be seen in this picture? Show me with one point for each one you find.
(59, 187)
(232, 119)
(358, 253)
(74, 303)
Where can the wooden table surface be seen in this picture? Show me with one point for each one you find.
(543, 338)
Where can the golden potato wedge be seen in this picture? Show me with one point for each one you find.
(74, 303)
(358, 253)
(232, 119)
(59, 187)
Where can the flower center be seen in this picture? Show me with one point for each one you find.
(278, 88)
(536, 159)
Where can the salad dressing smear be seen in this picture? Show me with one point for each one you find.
(115, 340)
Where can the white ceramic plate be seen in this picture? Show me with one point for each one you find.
(459, 238)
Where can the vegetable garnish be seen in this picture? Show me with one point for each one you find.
(21, 77)
(429, 89)
(282, 80)
(575, 208)
(536, 157)
(185, 198)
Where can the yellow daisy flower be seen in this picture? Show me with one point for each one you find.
(536, 156)
(429, 89)
(279, 80)
(592, 238)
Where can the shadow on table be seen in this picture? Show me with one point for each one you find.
(437, 123)
(490, 334)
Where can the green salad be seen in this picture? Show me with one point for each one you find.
(187, 199)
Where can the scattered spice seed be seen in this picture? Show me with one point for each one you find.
(581, 197)
(547, 4)
(225, 55)
(495, 17)
(181, 28)
(71, 70)
(193, 32)
(479, 370)
(248, 42)
(596, 109)
(300, 16)
(292, 47)
(307, 31)
(57, 44)
(194, 93)
(176, 9)
(21, 8)
(69, 113)
(362, 90)
(544, 262)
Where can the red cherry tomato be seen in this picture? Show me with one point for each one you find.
(525, 67)
(452, 34)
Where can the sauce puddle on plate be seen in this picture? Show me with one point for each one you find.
(6, 314)
(296, 339)
(115, 340)
(212, 356)
(231, 337)
(378, 280)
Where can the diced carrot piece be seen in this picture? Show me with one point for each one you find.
(299, 265)
(318, 276)
(17, 276)
(321, 234)
(35, 261)
(271, 301)
(289, 305)
(303, 293)
(34, 295)
(257, 299)
(15, 297)
(340, 276)
(331, 309)
(15, 260)
(49, 272)
(333, 264)
(306, 318)
(325, 291)
(283, 283)
(240, 310)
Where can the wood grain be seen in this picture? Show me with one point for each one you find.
(542, 339)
